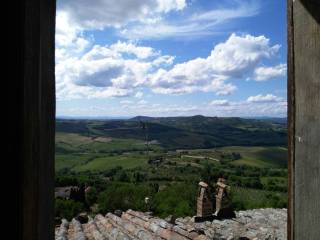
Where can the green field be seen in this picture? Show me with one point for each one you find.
(112, 156)
(81, 153)
(269, 157)
(108, 162)
(255, 198)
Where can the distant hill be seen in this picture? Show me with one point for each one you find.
(186, 132)
(141, 118)
(271, 119)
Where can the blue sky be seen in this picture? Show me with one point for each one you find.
(171, 58)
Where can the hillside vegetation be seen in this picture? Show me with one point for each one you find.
(112, 156)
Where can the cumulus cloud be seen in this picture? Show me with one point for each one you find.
(98, 14)
(235, 58)
(105, 71)
(266, 73)
(264, 98)
(75, 18)
(69, 39)
(129, 48)
(84, 69)
(145, 18)
(126, 67)
(240, 54)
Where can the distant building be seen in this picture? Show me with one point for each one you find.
(70, 193)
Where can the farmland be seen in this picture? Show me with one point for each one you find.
(179, 152)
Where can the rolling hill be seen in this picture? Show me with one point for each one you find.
(184, 132)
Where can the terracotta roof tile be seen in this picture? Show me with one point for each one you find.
(250, 224)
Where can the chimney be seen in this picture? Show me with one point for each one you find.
(223, 202)
(204, 204)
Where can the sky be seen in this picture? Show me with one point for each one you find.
(124, 58)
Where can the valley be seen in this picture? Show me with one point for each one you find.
(158, 157)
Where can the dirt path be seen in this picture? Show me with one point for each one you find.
(201, 157)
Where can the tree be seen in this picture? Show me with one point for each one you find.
(124, 196)
(68, 208)
(168, 202)
(206, 173)
(91, 196)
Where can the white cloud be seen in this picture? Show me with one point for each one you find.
(169, 5)
(240, 54)
(75, 18)
(166, 60)
(138, 51)
(219, 103)
(126, 102)
(266, 73)
(160, 109)
(235, 58)
(241, 9)
(98, 14)
(145, 18)
(139, 94)
(69, 40)
(120, 69)
(65, 33)
(87, 70)
(197, 25)
(132, 108)
(109, 92)
(142, 102)
(106, 71)
(264, 98)
(228, 108)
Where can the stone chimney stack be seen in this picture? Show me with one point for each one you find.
(204, 203)
(222, 198)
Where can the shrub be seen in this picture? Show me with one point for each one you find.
(178, 199)
(91, 196)
(124, 196)
(67, 208)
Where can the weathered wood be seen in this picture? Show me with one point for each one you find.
(304, 121)
(36, 122)
(291, 119)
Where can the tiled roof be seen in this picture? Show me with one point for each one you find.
(253, 224)
(131, 225)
